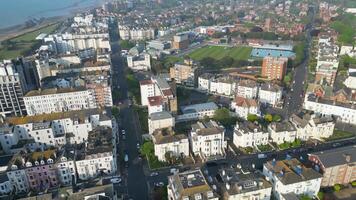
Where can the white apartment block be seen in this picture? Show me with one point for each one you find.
(92, 165)
(248, 134)
(160, 120)
(207, 140)
(67, 42)
(219, 85)
(344, 112)
(312, 126)
(155, 104)
(247, 89)
(270, 94)
(128, 33)
(66, 171)
(190, 185)
(244, 107)
(281, 132)
(242, 184)
(58, 100)
(291, 177)
(139, 63)
(74, 126)
(169, 143)
(18, 179)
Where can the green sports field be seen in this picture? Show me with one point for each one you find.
(219, 52)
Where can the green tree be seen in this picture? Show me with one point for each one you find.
(115, 111)
(268, 118)
(223, 116)
(252, 117)
(276, 118)
(147, 148)
(126, 44)
(337, 187)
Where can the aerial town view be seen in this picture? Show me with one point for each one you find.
(178, 99)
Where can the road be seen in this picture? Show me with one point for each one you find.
(134, 181)
(295, 98)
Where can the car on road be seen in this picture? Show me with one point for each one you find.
(159, 184)
(115, 180)
(174, 171)
(138, 146)
(154, 174)
(123, 137)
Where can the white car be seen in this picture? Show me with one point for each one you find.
(160, 184)
(115, 180)
(154, 174)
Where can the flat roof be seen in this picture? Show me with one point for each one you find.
(199, 107)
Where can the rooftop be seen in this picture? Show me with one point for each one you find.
(195, 108)
(282, 126)
(338, 156)
(160, 115)
(155, 101)
(167, 136)
(207, 128)
(240, 181)
(54, 91)
(291, 171)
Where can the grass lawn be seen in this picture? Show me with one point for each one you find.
(22, 44)
(218, 52)
(339, 134)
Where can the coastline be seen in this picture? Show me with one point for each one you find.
(20, 29)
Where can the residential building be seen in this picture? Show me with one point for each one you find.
(92, 161)
(140, 62)
(337, 165)
(166, 142)
(180, 41)
(281, 132)
(68, 42)
(197, 111)
(58, 100)
(157, 86)
(243, 184)
(155, 104)
(12, 90)
(189, 185)
(184, 73)
(50, 130)
(160, 120)
(136, 33)
(274, 68)
(249, 134)
(270, 94)
(5, 185)
(290, 178)
(207, 140)
(345, 112)
(217, 84)
(312, 126)
(244, 107)
(33, 171)
(247, 89)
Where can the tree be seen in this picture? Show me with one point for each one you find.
(252, 117)
(276, 118)
(126, 44)
(268, 118)
(337, 187)
(226, 61)
(147, 148)
(223, 116)
(115, 111)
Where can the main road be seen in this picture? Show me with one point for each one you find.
(134, 181)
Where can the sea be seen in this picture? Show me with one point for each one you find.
(16, 12)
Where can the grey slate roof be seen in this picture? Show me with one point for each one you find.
(334, 157)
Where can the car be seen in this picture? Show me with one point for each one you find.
(123, 131)
(138, 145)
(174, 171)
(123, 137)
(154, 174)
(159, 184)
(115, 180)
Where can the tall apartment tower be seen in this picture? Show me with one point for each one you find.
(274, 68)
(11, 90)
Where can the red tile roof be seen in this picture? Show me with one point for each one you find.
(155, 101)
(146, 82)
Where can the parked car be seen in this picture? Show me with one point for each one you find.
(115, 180)
(154, 174)
(160, 184)
(174, 171)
